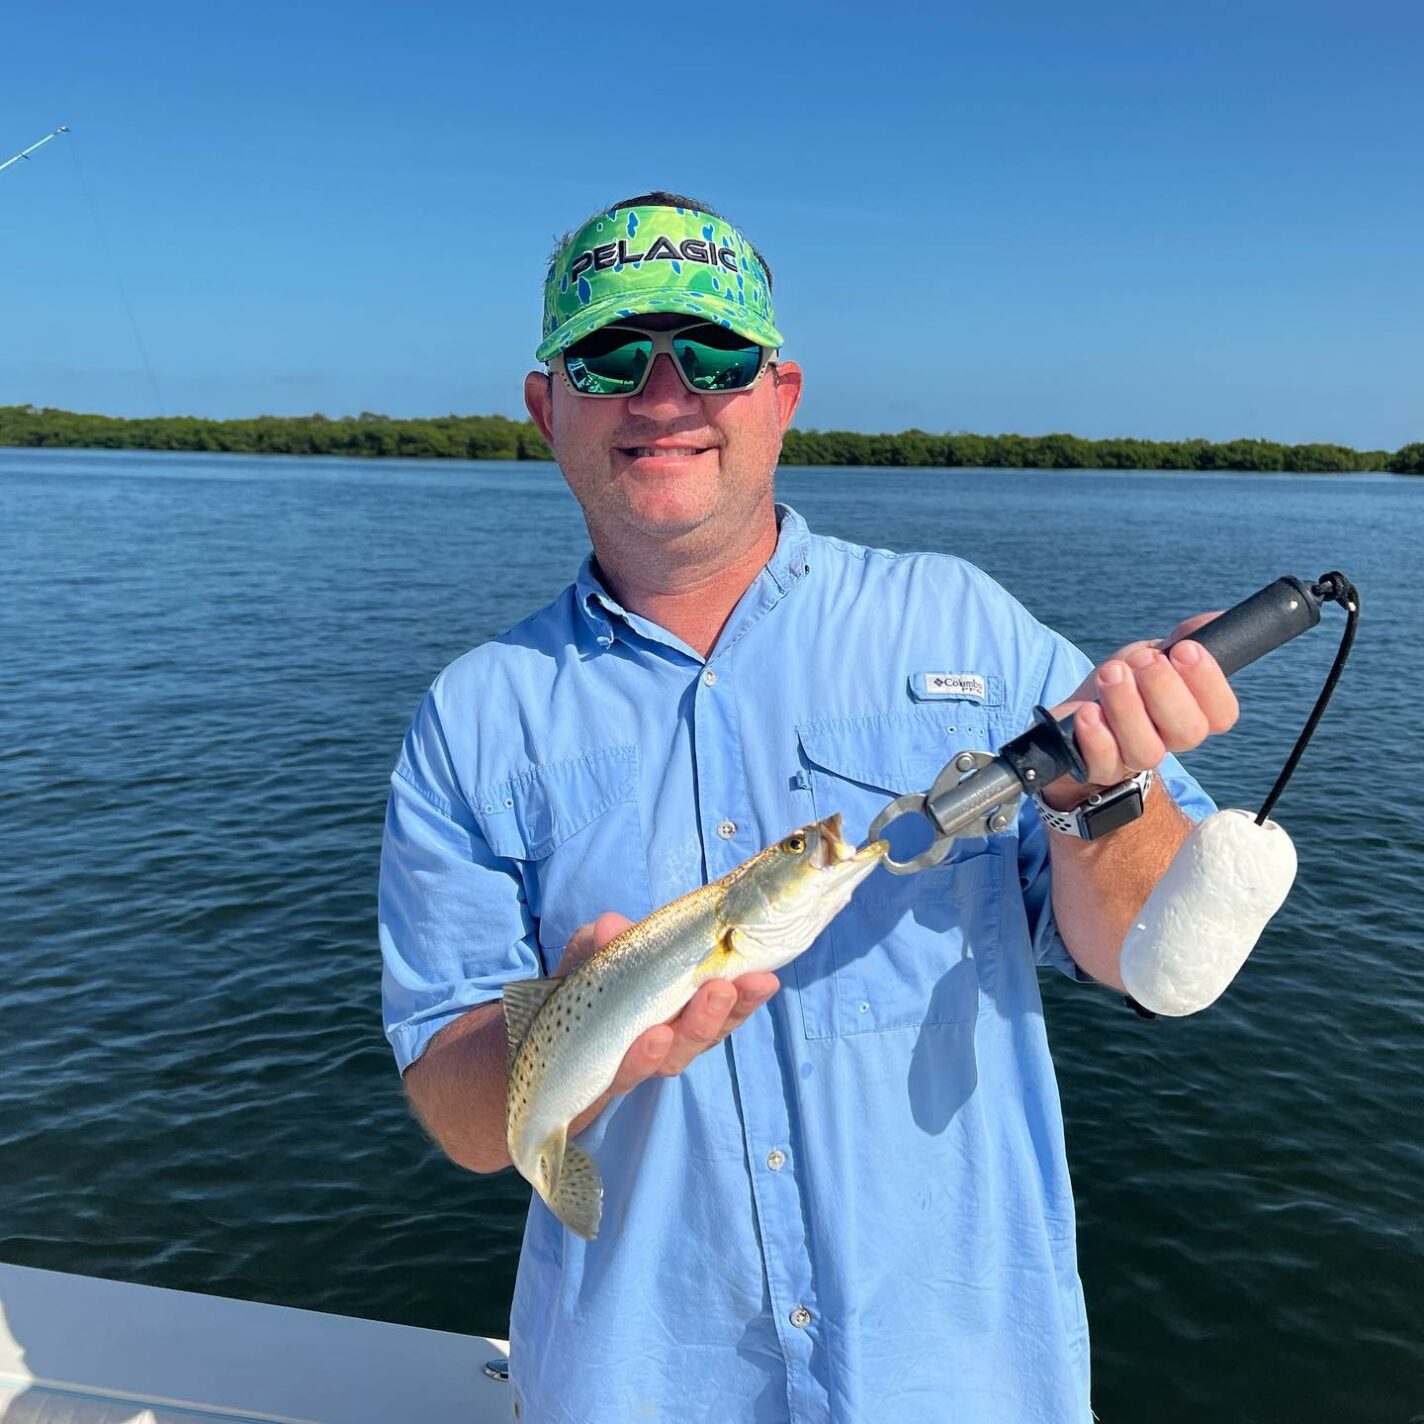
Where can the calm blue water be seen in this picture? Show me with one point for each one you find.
(205, 670)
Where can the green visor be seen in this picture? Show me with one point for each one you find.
(627, 262)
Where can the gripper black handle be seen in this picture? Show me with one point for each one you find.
(1269, 617)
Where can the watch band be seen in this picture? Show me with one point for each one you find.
(1103, 812)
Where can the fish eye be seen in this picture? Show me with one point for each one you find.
(794, 845)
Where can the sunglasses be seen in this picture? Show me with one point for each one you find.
(615, 360)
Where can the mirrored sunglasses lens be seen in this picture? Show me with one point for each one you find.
(608, 363)
(715, 359)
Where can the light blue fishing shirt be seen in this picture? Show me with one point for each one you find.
(856, 1208)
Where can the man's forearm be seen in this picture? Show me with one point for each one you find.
(1099, 886)
(458, 1089)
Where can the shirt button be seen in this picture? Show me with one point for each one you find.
(709, 677)
(800, 1317)
(726, 829)
(776, 1159)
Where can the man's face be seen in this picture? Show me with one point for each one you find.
(667, 462)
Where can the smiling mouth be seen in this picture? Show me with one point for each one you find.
(647, 452)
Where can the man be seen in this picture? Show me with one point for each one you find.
(847, 1199)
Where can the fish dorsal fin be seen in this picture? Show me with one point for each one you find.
(523, 998)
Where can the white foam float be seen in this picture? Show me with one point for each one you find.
(1207, 912)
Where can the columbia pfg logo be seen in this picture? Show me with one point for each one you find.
(954, 684)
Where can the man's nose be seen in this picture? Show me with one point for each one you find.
(664, 392)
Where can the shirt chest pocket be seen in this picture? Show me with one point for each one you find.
(909, 949)
(573, 828)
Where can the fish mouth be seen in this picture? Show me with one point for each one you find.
(832, 849)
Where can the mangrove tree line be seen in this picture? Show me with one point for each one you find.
(494, 437)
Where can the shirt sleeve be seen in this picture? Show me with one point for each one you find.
(455, 927)
(1064, 667)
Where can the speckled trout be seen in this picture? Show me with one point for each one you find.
(567, 1036)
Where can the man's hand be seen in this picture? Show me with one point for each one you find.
(458, 1086)
(711, 1014)
(1148, 704)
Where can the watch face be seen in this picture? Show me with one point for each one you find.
(1108, 816)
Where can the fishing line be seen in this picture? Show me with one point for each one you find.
(114, 272)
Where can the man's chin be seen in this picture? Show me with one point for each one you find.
(670, 495)
(668, 519)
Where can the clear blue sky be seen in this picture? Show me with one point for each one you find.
(1160, 220)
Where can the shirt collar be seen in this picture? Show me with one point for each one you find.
(607, 619)
(790, 561)
(595, 603)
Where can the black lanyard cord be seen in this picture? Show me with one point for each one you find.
(1330, 588)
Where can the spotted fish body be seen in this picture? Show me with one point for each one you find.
(568, 1036)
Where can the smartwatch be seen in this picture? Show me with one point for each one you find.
(1103, 812)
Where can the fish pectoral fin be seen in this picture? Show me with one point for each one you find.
(576, 1192)
(722, 961)
(523, 998)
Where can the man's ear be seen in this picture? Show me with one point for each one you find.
(787, 378)
(539, 402)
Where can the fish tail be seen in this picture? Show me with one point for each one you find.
(575, 1190)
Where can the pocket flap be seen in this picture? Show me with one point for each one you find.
(528, 816)
(895, 751)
